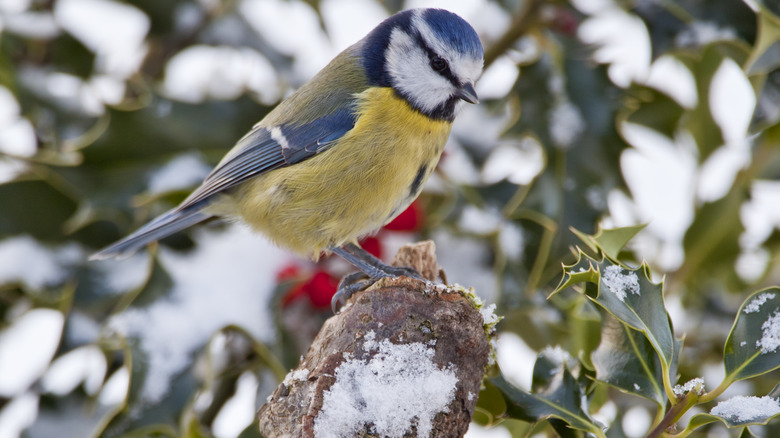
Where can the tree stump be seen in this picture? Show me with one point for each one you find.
(404, 358)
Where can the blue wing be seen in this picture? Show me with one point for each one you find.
(263, 149)
(268, 148)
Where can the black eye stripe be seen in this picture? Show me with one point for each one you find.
(446, 72)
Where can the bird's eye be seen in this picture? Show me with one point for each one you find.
(438, 64)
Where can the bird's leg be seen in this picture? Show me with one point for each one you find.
(370, 267)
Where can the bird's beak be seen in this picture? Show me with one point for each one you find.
(467, 93)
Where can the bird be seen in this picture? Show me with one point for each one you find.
(347, 151)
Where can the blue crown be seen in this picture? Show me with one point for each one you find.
(447, 26)
(455, 30)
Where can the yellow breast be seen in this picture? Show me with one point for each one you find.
(363, 181)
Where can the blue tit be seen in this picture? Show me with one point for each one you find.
(348, 151)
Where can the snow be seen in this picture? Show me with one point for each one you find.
(620, 284)
(746, 408)
(179, 173)
(347, 21)
(516, 359)
(681, 390)
(770, 334)
(755, 304)
(239, 411)
(519, 162)
(115, 389)
(296, 375)
(673, 78)
(26, 349)
(623, 42)
(202, 72)
(636, 422)
(566, 123)
(227, 279)
(18, 414)
(701, 33)
(118, 276)
(24, 260)
(398, 387)
(498, 79)
(732, 101)
(477, 431)
(559, 356)
(17, 136)
(305, 42)
(489, 316)
(85, 364)
(114, 31)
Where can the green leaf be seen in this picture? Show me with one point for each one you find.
(763, 57)
(753, 345)
(563, 400)
(741, 411)
(632, 298)
(626, 360)
(610, 241)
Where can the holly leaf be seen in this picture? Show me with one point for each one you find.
(562, 400)
(741, 411)
(630, 296)
(609, 241)
(753, 345)
(626, 360)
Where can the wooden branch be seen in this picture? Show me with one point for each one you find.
(437, 321)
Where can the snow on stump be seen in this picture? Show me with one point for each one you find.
(404, 358)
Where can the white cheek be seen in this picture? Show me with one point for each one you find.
(409, 68)
(463, 67)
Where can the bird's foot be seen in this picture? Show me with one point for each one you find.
(358, 281)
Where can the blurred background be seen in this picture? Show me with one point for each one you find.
(593, 113)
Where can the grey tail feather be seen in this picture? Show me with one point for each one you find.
(162, 226)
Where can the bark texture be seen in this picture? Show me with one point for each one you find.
(403, 311)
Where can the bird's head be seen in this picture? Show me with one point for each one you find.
(430, 57)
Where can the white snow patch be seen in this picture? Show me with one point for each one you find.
(559, 356)
(620, 284)
(202, 302)
(489, 314)
(114, 31)
(24, 260)
(701, 33)
(770, 334)
(26, 349)
(499, 78)
(347, 21)
(119, 276)
(84, 364)
(201, 72)
(296, 375)
(181, 172)
(477, 431)
(755, 304)
(517, 162)
(636, 422)
(305, 41)
(746, 408)
(238, 412)
(673, 78)
(623, 42)
(681, 390)
(732, 101)
(398, 387)
(516, 359)
(115, 390)
(566, 123)
(18, 415)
